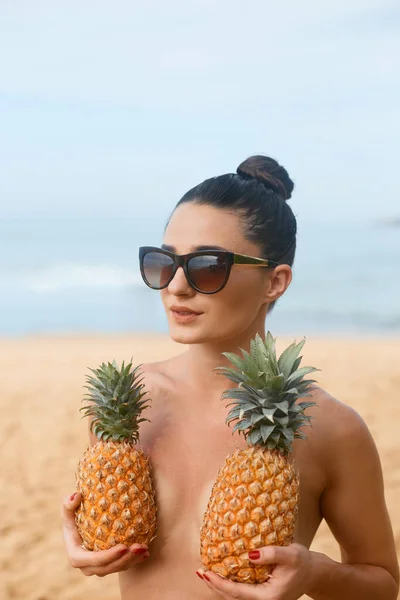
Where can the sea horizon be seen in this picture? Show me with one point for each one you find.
(80, 276)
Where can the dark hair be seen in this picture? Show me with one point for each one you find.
(258, 191)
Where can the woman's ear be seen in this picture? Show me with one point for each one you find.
(278, 282)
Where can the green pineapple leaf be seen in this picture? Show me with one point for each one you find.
(288, 358)
(115, 400)
(265, 405)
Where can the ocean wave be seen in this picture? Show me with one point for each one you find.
(76, 275)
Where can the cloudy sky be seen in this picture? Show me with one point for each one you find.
(117, 108)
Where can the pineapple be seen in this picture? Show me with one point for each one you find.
(254, 501)
(118, 499)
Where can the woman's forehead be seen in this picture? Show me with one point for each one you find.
(192, 226)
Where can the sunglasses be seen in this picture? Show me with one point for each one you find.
(207, 271)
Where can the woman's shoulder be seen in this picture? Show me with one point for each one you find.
(337, 427)
(333, 413)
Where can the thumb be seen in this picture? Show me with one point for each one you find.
(272, 555)
(68, 508)
(71, 534)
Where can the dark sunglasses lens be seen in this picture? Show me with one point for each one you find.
(208, 273)
(158, 269)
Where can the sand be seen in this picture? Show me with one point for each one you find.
(42, 437)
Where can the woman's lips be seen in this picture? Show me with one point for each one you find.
(184, 316)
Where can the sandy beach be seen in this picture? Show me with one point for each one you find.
(43, 435)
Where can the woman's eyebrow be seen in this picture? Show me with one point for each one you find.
(195, 248)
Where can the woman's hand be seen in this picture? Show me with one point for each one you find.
(291, 577)
(104, 562)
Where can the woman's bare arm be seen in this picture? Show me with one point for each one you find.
(354, 507)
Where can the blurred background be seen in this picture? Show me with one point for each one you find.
(109, 113)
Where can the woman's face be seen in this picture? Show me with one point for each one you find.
(245, 298)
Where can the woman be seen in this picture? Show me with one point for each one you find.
(214, 309)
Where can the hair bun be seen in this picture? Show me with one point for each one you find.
(269, 172)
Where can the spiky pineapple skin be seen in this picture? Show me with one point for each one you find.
(118, 499)
(254, 503)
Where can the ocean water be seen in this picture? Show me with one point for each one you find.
(81, 275)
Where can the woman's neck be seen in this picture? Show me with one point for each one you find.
(202, 359)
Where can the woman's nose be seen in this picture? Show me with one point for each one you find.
(179, 285)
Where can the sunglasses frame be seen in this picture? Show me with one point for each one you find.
(182, 260)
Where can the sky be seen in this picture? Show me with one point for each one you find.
(118, 108)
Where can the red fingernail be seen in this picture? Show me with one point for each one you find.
(123, 551)
(139, 551)
(73, 496)
(199, 575)
(206, 578)
(254, 554)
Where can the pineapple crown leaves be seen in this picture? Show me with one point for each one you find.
(265, 405)
(116, 399)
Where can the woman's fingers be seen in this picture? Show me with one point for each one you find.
(102, 562)
(230, 589)
(106, 561)
(81, 558)
(207, 580)
(126, 561)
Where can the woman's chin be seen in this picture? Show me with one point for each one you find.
(181, 335)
